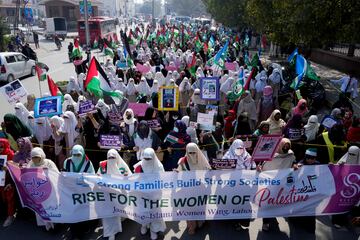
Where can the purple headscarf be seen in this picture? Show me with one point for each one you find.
(24, 154)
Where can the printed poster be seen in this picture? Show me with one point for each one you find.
(14, 91)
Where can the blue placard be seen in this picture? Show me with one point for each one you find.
(210, 88)
(121, 65)
(47, 107)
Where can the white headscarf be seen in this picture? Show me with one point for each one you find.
(131, 87)
(31, 121)
(121, 85)
(42, 130)
(155, 87)
(227, 85)
(81, 79)
(168, 78)
(312, 128)
(275, 76)
(196, 99)
(22, 113)
(103, 107)
(116, 166)
(160, 78)
(68, 100)
(69, 127)
(150, 166)
(275, 127)
(191, 131)
(244, 159)
(72, 85)
(143, 87)
(196, 161)
(351, 157)
(185, 85)
(132, 119)
(57, 122)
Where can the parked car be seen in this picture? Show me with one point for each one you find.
(14, 65)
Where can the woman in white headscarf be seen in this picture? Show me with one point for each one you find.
(42, 130)
(56, 122)
(247, 104)
(121, 85)
(31, 121)
(81, 81)
(312, 128)
(196, 99)
(168, 78)
(69, 101)
(69, 129)
(276, 124)
(155, 87)
(351, 157)
(21, 112)
(151, 164)
(131, 90)
(160, 78)
(193, 160)
(184, 94)
(103, 107)
(260, 84)
(73, 85)
(237, 151)
(143, 87)
(275, 79)
(38, 160)
(129, 126)
(114, 165)
(190, 130)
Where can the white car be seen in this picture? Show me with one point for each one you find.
(14, 65)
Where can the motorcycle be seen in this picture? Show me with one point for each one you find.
(58, 45)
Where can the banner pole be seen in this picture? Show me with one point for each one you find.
(40, 88)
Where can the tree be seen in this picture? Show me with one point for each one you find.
(305, 22)
(230, 12)
(4, 30)
(187, 7)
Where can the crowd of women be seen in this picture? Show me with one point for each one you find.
(71, 142)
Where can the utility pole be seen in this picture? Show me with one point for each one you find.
(153, 14)
(86, 18)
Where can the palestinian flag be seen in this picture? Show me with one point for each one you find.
(76, 51)
(198, 44)
(108, 51)
(98, 83)
(192, 65)
(41, 73)
(53, 88)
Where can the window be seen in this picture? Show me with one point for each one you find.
(20, 57)
(10, 59)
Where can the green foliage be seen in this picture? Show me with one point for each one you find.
(301, 22)
(187, 7)
(4, 40)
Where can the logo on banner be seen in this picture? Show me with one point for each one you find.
(352, 188)
(37, 185)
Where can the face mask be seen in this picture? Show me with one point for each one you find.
(176, 129)
(175, 117)
(76, 159)
(285, 150)
(239, 151)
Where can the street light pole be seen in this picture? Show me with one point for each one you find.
(87, 33)
(153, 13)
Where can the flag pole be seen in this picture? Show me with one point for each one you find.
(40, 88)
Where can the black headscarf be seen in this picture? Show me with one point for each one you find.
(15, 127)
(143, 129)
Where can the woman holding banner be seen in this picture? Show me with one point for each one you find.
(38, 160)
(150, 164)
(78, 163)
(193, 160)
(114, 165)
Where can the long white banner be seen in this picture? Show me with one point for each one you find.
(199, 195)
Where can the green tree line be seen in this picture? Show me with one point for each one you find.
(312, 23)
